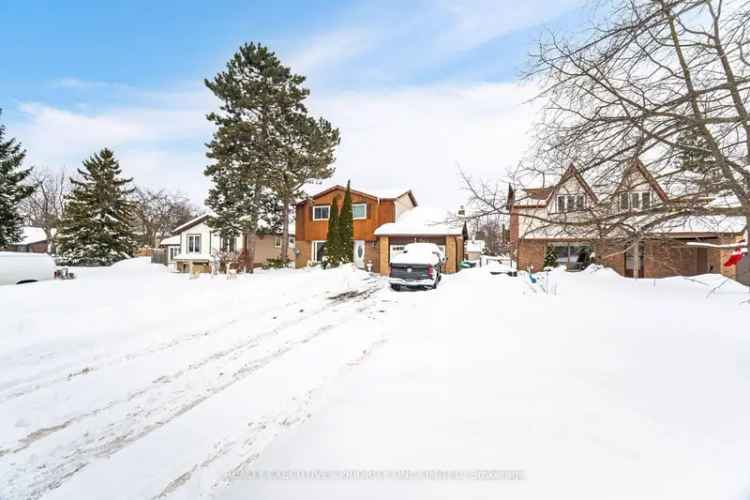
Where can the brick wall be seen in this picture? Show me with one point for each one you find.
(610, 255)
(531, 254)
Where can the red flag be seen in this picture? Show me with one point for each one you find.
(736, 256)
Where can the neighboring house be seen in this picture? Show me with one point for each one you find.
(193, 246)
(171, 247)
(474, 249)
(663, 251)
(33, 240)
(383, 222)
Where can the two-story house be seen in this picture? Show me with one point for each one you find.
(562, 216)
(384, 221)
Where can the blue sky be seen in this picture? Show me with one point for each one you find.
(417, 88)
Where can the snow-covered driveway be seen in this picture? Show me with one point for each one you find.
(130, 381)
(134, 383)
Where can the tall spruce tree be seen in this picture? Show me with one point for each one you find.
(12, 189)
(346, 228)
(333, 243)
(97, 226)
(307, 149)
(257, 95)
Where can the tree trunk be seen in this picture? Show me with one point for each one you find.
(251, 240)
(285, 233)
(637, 258)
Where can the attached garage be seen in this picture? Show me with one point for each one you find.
(422, 225)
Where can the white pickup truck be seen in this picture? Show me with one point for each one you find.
(17, 268)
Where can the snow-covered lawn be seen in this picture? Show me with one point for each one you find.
(131, 382)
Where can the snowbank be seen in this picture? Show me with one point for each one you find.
(130, 384)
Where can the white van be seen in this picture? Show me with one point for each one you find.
(17, 268)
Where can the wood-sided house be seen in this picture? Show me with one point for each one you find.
(193, 245)
(384, 221)
(662, 252)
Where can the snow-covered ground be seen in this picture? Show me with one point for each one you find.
(131, 382)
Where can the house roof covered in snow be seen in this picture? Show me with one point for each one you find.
(692, 224)
(376, 194)
(422, 221)
(172, 240)
(203, 218)
(30, 235)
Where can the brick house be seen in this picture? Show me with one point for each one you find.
(662, 252)
(384, 221)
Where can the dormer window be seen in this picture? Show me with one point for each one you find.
(635, 200)
(570, 202)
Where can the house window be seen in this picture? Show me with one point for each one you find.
(229, 244)
(574, 256)
(173, 252)
(561, 203)
(277, 241)
(194, 243)
(635, 201)
(645, 200)
(570, 203)
(321, 212)
(640, 200)
(359, 211)
(624, 201)
(318, 250)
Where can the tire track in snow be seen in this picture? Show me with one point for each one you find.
(64, 373)
(164, 400)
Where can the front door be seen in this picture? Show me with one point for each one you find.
(359, 253)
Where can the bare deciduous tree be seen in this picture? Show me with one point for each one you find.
(663, 82)
(46, 206)
(158, 212)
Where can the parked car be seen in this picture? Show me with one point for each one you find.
(17, 268)
(418, 266)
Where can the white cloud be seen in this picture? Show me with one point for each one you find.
(159, 138)
(411, 137)
(471, 23)
(331, 48)
(416, 137)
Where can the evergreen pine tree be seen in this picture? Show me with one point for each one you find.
(12, 189)
(258, 95)
(333, 242)
(550, 257)
(695, 158)
(346, 228)
(97, 226)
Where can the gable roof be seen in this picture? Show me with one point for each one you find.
(638, 165)
(190, 223)
(572, 172)
(540, 196)
(382, 194)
